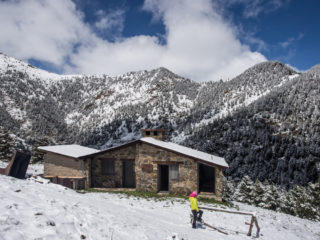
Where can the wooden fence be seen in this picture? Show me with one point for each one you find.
(253, 217)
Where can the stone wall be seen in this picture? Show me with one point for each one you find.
(219, 186)
(147, 161)
(118, 155)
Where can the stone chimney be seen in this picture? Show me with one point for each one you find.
(157, 133)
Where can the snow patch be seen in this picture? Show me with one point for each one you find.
(38, 209)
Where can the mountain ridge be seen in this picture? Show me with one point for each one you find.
(102, 111)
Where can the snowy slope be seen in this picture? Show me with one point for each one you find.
(10, 64)
(36, 209)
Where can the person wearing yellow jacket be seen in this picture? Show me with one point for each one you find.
(197, 214)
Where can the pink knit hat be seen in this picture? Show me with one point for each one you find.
(194, 194)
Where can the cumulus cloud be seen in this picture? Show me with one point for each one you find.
(42, 30)
(199, 44)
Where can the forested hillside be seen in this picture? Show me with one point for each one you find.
(276, 138)
(265, 122)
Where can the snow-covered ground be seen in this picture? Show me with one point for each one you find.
(37, 209)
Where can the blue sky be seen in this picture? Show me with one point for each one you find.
(202, 40)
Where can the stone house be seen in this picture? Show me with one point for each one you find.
(147, 164)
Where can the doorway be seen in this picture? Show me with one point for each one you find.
(163, 178)
(128, 176)
(207, 178)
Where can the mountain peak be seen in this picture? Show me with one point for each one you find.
(270, 67)
(163, 72)
(163, 69)
(273, 65)
(314, 70)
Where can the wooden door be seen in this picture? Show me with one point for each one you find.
(128, 180)
(163, 178)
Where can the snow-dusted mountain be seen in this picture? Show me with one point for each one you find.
(38, 107)
(36, 103)
(275, 138)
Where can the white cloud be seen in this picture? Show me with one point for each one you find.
(107, 21)
(199, 44)
(43, 30)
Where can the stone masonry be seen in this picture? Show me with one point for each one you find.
(153, 156)
(147, 159)
(117, 155)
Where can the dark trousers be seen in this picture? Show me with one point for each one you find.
(196, 216)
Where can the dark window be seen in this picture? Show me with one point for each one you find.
(107, 167)
(163, 177)
(207, 178)
(80, 184)
(148, 133)
(155, 133)
(174, 172)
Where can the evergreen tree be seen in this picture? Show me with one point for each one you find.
(258, 192)
(303, 203)
(228, 189)
(6, 145)
(271, 197)
(243, 192)
(37, 156)
(287, 202)
(314, 191)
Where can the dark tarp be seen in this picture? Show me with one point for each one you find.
(18, 165)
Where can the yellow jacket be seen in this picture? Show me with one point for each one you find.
(194, 204)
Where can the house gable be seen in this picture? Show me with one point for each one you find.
(100, 178)
(154, 158)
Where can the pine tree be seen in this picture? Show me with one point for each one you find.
(228, 189)
(37, 156)
(258, 192)
(6, 145)
(314, 193)
(243, 192)
(302, 200)
(271, 197)
(287, 202)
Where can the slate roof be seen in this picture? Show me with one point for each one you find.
(74, 151)
(186, 151)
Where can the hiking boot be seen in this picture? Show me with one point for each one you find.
(194, 226)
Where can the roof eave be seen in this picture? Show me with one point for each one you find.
(186, 155)
(167, 149)
(60, 154)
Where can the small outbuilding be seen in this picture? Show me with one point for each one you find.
(147, 164)
(62, 165)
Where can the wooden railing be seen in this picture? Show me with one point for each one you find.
(253, 217)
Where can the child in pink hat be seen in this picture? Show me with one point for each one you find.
(197, 214)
